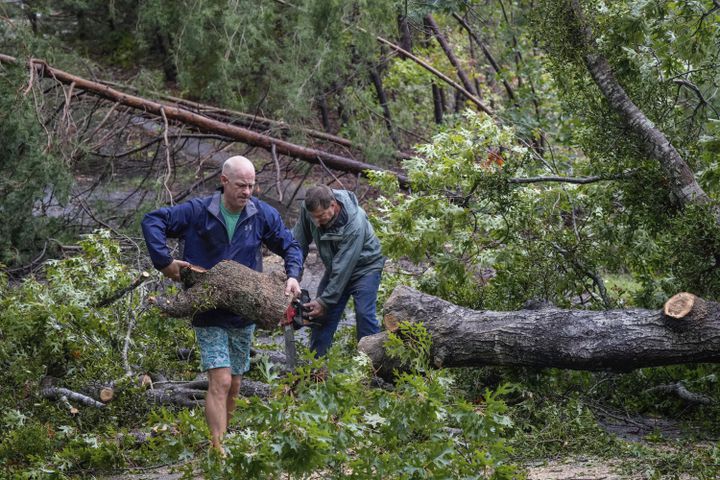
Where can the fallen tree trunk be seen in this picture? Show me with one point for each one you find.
(203, 123)
(688, 331)
(258, 297)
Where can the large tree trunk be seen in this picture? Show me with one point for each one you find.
(258, 297)
(621, 340)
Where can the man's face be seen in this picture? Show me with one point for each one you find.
(237, 190)
(322, 216)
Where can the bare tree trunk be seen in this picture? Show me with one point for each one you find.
(438, 103)
(382, 99)
(430, 22)
(324, 116)
(405, 35)
(618, 340)
(164, 45)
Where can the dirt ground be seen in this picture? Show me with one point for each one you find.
(576, 468)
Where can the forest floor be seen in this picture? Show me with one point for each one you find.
(571, 468)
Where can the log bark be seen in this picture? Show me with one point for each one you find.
(192, 394)
(258, 297)
(618, 340)
(49, 390)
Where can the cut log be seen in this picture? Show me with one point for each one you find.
(683, 304)
(258, 297)
(52, 392)
(618, 340)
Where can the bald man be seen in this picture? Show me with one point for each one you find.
(228, 225)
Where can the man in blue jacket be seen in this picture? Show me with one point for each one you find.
(229, 225)
(350, 251)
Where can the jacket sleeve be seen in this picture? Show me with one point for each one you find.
(161, 224)
(281, 242)
(343, 265)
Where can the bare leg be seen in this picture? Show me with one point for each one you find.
(216, 403)
(232, 395)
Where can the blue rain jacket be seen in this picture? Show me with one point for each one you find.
(200, 224)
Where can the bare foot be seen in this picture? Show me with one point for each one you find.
(217, 449)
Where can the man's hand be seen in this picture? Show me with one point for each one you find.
(314, 309)
(292, 287)
(172, 271)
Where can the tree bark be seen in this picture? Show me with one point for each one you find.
(618, 340)
(405, 35)
(683, 185)
(192, 394)
(382, 99)
(430, 22)
(438, 104)
(258, 297)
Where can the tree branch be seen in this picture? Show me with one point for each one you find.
(576, 180)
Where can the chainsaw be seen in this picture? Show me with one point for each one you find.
(296, 317)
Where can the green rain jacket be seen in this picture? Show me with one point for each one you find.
(348, 252)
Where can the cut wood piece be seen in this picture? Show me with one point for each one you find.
(679, 306)
(107, 394)
(619, 340)
(258, 297)
(52, 392)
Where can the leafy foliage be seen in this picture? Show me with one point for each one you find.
(29, 171)
(478, 236)
(326, 419)
(50, 328)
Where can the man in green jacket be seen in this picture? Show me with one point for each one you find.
(350, 251)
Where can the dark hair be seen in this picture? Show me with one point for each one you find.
(320, 196)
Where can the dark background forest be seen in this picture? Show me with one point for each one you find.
(510, 153)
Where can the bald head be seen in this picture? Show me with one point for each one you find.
(238, 181)
(238, 165)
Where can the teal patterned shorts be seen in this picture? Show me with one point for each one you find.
(225, 347)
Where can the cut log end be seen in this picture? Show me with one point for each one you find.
(680, 305)
(107, 394)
